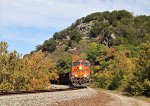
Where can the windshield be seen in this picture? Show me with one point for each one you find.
(85, 63)
(76, 63)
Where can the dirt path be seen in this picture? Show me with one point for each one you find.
(104, 98)
(99, 99)
(120, 100)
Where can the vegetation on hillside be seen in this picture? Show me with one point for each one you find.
(119, 62)
(126, 28)
(116, 43)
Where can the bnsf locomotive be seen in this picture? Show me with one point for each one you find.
(80, 73)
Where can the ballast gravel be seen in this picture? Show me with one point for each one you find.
(45, 99)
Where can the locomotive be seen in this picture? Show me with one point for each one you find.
(80, 73)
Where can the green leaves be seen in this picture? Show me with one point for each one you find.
(125, 67)
(63, 64)
(75, 35)
(94, 51)
(49, 45)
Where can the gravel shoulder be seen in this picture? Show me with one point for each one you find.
(44, 99)
(104, 98)
(80, 97)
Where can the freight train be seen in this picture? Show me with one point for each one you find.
(80, 73)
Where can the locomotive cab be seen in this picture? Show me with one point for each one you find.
(80, 73)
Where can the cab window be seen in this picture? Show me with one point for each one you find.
(76, 64)
(85, 64)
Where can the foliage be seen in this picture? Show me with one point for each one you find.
(98, 28)
(75, 35)
(94, 51)
(128, 30)
(113, 70)
(28, 73)
(139, 83)
(125, 68)
(63, 64)
(48, 45)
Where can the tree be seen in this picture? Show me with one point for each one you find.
(49, 45)
(32, 72)
(63, 64)
(3, 47)
(75, 35)
(94, 51)
(138, 82)
(38, 71)
(144, 67)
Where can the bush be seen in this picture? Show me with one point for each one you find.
(132, 86)
(103, 79)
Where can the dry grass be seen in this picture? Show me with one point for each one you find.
(144, 98)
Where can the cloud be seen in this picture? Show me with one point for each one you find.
(47, 16)
(60, 13)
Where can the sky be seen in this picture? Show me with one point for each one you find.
(24, 24)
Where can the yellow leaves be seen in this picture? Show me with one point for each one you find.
(75, 57)
(39, 70)
(39, 83)
(32, 72)
(122, 62)
(80, 56)
(54, 75)
(103, 79)
(3, 47)
(113, 66)
(109, 52)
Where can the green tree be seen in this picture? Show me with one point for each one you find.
(94, 51)
(75, 35)
(64, 64)
(49, 45)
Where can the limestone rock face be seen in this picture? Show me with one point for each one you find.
(84, 28)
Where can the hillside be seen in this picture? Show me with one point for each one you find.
(108, 28)
(116, 43)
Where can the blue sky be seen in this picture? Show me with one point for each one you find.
(26, 23)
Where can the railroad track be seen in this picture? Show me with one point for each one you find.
(37, 91)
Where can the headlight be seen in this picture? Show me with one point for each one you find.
(80, 68)
(85, 75)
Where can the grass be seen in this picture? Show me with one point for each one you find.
(147, 99)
